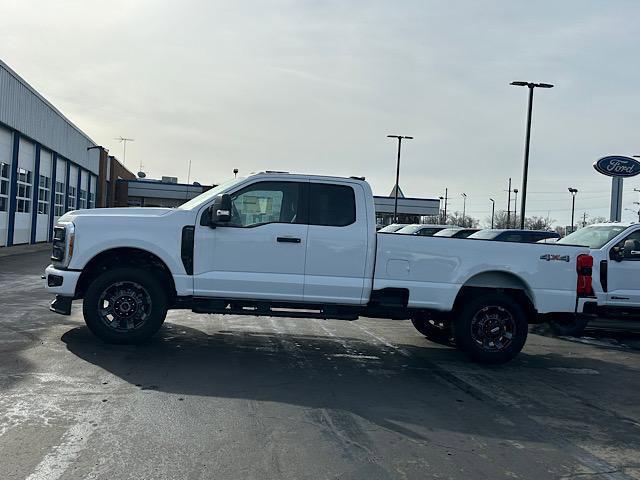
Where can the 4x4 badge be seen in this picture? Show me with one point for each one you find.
(560, 258)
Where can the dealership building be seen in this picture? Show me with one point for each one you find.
(47, 164)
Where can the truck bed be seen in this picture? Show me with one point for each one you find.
(434, 269)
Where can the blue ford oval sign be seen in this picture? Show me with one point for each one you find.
(618, 166)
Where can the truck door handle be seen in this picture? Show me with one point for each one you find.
(288, 240)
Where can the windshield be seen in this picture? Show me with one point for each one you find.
(209, 194)
(595, 236)
(447, 232)
(394, 227)
(486, 234)
(409, 229)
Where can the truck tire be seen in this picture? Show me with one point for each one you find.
(125, 305)
(491, 328)
(571, 326)
(434, 330)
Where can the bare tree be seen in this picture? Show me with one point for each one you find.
(592, 220)
(538, 223)
(500, 220)
(455, 218)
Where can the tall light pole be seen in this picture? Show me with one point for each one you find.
(464, 207)
(395, 203)
(235, 173)
(509, 205)
(515, 209)
(525, 170)
(573, 192)
(493, 210)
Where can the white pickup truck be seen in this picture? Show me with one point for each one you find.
(279, 244)
(615, 248)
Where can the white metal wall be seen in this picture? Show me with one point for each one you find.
(6, 151)
(24, 109)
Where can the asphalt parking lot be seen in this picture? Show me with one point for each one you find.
(230, 397)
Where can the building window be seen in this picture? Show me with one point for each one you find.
(44, 194)
(23, 196)
(4, 187)
(59, 206)
(92, 200)
(83, 199)
(72, 199)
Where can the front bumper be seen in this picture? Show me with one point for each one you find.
(61, 282)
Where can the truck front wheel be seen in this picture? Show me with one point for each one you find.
(491, 328)
(125, 305)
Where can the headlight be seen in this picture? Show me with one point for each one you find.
(64, 235)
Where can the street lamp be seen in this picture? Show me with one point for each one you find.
(493, 210)
(235, 173)
(573, 192)
(464, 207)
(525, 171)
(515, 209)
(395, 203)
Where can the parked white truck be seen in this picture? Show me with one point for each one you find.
(279, 244)
(615, 248)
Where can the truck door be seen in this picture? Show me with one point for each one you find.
(260, 253)
(623, 273)
(336, 244)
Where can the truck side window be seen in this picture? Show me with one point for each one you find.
(626, 254)
(331, 205)
(265, 202)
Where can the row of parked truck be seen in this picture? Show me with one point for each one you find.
(303, 246)
(498, 234)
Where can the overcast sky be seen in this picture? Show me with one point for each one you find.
(315, 87)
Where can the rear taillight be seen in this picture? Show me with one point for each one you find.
(584, 267)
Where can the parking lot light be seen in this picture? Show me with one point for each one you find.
(527, 142)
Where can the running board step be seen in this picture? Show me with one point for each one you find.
(230, 308)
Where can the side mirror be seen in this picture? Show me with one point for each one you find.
(631, 250)
(616, 253)
(220, 210)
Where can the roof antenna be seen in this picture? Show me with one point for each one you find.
(123, 141)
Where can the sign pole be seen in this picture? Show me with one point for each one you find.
(616, 199)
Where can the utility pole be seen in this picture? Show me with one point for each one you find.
(395, 203)
(584, 219)
(515, 209)
(464, 207)
(525, 171)
(446, 199)
(493, 210)
(509, 204)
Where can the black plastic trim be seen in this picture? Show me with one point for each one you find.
(61, 305)
(186, 249)
(604, 275)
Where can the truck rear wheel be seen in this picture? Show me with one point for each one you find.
(491, 328)
(437, 331)
(125, 305)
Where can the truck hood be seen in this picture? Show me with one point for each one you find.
(116, 212)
